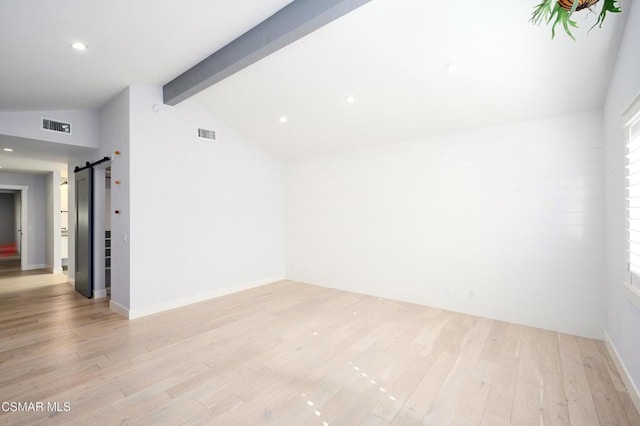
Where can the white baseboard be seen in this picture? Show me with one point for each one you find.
(100, 294)
(161, 307)
(51, 269)
(119, 309)
(626, 377)
(34, 267)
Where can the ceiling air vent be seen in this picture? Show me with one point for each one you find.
(56, 126)
(207, 134)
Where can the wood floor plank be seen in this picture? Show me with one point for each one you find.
(294, 354)
(220, 403)
(473, 400)
(489, 419)
(568, 348)
(372, 420)
(526, 405)
(605, 397)
(427, 390)
(550, 352)
(614, 375)
(443, 408)
(406, 418)
(512, 341)
(554, 400)
(529, 367)
(501, 393)
(495, 340)
(630, 409)
(580, 405)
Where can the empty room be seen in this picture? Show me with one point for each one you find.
(337, 212)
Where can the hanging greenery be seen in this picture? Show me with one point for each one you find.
(560, 12)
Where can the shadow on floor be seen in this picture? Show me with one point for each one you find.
(9, 265)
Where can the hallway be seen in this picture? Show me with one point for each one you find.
(13, 280)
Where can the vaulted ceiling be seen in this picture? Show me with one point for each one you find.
(390, 55)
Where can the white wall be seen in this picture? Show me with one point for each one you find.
(207, 217)
(99, 228)
(48, 219)
(36, 231)
(505, 222)
(623, 318)
(52, 222)
(71, 220)
(114, 136)
(64, 222)
(28, 124)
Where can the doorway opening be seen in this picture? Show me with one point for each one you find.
(10, 238)
(107, 231)
(92, 269)
(64, 224)
(13, 220)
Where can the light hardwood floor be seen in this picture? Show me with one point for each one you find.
(291, 354)
(9, 264)
(18, 281)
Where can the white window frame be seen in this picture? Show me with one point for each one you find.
(631, 121)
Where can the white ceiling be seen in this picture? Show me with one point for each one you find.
(389, 54)
(129, 42)
(39, 156)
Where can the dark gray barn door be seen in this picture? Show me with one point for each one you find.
(84, 232)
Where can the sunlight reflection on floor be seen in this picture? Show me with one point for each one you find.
(29, 280)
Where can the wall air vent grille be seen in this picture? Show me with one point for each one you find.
(56, 126)
(207, 134)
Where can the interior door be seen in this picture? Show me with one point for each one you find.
(84, 232)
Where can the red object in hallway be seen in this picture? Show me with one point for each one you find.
(7, 250)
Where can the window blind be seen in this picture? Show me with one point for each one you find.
(632, 131)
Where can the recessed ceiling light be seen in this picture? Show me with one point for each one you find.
(350, 99)
(8, 149)
(452, 67)
(283, 119)
(79, 46)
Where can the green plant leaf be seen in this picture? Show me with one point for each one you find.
(550, 11)
(542, 12)
(608, 6)
(561, 17)
(574, 6)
